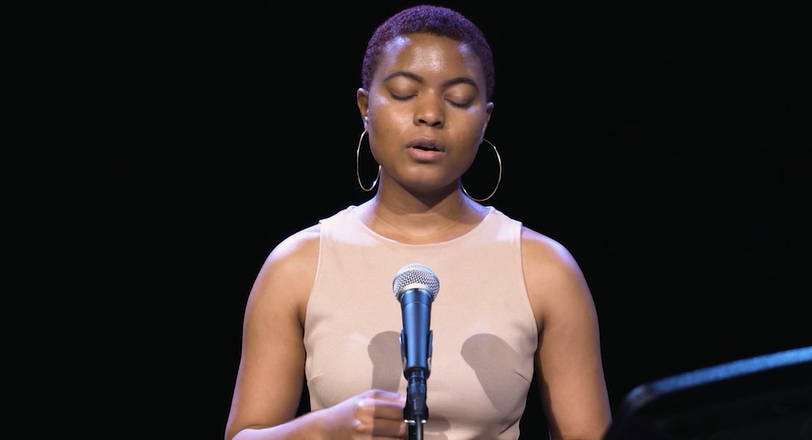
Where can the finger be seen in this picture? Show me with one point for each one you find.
(389, 428)
(377, 417)
(387, 409)
(377, 408)
(388, 395)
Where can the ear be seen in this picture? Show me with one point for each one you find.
(362, 99)
(488, 112)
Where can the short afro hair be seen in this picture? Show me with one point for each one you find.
(426, 19)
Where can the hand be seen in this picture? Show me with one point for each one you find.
(374, 414)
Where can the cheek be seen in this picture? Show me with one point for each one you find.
(473, 133)
(468, 143)
(380, 108)
(385, 120)
(384, 129)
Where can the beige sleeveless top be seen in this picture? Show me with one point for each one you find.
(484, 331)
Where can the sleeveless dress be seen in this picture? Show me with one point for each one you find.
(484, 332)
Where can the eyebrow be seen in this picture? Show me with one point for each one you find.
(418, 78)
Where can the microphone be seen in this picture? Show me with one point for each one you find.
(416, 286)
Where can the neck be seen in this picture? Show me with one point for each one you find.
(419, 220)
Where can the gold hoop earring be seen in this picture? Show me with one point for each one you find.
(358, 166)
(498, 177)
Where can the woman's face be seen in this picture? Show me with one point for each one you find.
(426, 111)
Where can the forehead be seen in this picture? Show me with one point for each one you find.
(427, 54)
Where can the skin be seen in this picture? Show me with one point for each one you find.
(428, 91)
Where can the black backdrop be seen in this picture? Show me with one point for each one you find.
(666, 144)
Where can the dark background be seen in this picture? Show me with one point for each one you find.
(666, 144)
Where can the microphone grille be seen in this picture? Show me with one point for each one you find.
(413, 276)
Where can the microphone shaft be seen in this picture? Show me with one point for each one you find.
(416, 311)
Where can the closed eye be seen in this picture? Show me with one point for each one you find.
(460, 104)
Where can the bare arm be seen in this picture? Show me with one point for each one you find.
(568, 359)
(270, 376)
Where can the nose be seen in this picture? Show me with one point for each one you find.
(429, 111)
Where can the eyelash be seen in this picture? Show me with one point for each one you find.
(455, 104)
(460, 105)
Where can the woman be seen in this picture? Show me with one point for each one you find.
(512, 302)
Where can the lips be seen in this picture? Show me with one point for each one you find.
(426, 145)
(425, 150)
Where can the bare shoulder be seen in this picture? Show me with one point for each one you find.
(546, 257)
(552, 275)
(296, 248)
(286, 276)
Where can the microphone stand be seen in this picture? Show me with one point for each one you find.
(416, 341)
(415, 413)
